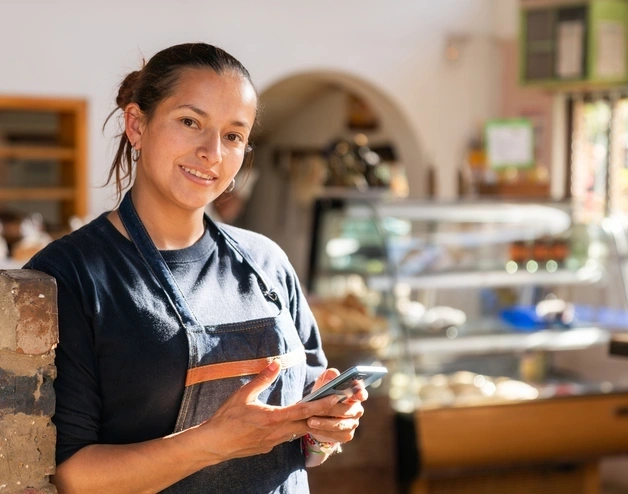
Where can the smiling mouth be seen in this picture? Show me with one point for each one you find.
(198, 174)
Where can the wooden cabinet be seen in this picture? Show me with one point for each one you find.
(571, 42)
(559, 479)
(43, 158)
(542, 443)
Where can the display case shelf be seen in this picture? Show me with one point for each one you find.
(355, 194)
(548, 340)
(495, 278)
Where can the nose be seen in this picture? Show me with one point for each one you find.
(210, 148)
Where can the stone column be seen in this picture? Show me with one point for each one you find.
(28, 336)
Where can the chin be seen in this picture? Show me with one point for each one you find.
(194, 204)
(193, 199)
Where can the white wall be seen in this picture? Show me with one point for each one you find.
(78, 48)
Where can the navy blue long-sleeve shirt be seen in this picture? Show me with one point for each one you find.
(122, 356)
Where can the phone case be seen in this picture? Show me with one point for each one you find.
(346, 383)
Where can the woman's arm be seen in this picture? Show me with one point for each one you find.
(241, 427)
(145, 467)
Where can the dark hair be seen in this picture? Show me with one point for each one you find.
(156, 81)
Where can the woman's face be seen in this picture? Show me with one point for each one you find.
(193, 146)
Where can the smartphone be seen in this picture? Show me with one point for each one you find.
(347, 383)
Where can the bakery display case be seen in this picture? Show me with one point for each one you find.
(494, 320)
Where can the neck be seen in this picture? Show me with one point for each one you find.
(170, 228)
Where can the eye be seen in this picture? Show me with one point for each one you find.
(189, 122)
(235, 138)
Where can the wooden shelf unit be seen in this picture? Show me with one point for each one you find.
(65, 146)
(37, 152)
(39, 193)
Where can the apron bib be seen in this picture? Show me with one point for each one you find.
(221, 359)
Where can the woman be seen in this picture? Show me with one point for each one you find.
(185, 345)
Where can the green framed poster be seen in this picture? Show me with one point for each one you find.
(607, 43)
(509, 143)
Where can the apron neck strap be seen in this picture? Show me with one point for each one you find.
(265, 284)
(158, 267)
(155, 261)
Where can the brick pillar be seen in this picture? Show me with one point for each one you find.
(28, 336)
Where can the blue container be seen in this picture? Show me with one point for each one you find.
(522, 318)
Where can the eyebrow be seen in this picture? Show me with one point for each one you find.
(204, 114)
(196, 110)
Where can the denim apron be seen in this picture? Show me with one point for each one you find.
(222, 359)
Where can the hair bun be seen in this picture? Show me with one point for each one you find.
(127, 89)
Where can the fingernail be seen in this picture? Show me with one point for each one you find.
(274, 365)
(314, 423)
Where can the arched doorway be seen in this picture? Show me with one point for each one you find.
(307, 111)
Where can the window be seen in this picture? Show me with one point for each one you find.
(599, 156)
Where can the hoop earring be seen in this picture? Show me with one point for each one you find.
(135, 155)
(231, 186)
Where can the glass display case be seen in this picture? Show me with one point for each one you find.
(480, 308)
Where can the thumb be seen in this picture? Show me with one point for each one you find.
(260, 382)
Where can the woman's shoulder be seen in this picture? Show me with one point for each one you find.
(258, 246)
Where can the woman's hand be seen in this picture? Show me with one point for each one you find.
(243, 426)
(340, 423)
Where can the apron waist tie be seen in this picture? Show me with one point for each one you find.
(239, 368)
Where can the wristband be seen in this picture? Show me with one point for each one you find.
(319, 447)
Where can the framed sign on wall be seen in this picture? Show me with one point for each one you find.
(509, 143)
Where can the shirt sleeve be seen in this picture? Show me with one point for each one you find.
(308, 331)
(78, 403)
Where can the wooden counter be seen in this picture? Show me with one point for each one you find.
(459, 442)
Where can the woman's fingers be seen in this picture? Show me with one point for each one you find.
(325, 377)
(340, 425)
(333, 430)
(361, 395)
(347, 409)
(331, 425)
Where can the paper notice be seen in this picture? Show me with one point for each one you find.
(569, 60)
(611, 54)
(510, 145)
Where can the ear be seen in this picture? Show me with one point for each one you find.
(134, 124)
